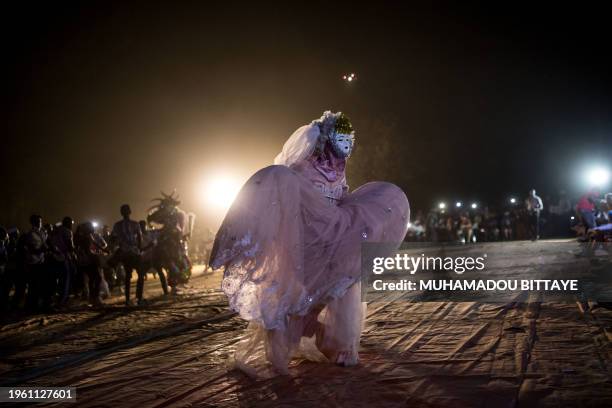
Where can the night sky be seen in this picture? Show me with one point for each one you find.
(106, 104)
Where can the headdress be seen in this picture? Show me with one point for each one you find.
(331, 124)
(166, 201)
(313, 137)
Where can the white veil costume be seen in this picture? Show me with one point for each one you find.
(306, 139)
(292, 256)
(300, 145)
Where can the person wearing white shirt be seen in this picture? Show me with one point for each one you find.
(534, 206)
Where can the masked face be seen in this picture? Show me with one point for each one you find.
(342, 144)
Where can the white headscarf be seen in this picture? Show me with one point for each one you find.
(300, 145)
(303, 142)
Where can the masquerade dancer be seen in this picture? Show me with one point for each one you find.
(290, 246)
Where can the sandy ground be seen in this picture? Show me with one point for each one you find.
(419, 354)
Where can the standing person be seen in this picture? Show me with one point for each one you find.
(586, 208)
(10, 277)
(505, 224)
(534, 206)
(291, 249)
(431, 226)
(100, 249)
(128, 237)
(599, 233)
(110, 272)
(149, 241)
(492, 226)
(106, 233)
(146, 254)
(464, 230)
(63, 256)
(35, 246)
(5, 277)
(16, 268)
(88, 248)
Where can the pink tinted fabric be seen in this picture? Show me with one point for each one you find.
(331, 167)
(290, 251)
(584, 202)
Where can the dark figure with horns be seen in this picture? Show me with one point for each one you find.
(170, 246)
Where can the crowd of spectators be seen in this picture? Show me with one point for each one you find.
(50, 265)
(515, 220)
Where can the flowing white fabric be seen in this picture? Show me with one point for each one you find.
(292, 260)
(300, 145)
(290, 246)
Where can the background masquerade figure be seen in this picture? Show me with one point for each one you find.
(169, 250)
(291, 248)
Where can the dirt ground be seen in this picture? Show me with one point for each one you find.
(172, 353)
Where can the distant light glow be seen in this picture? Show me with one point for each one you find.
(458, 204)
(220, 191)
(349, 77)
(598, 176)
(95, 224)
(513, 200)
(474, 206)
(572, 218)
(442, 206)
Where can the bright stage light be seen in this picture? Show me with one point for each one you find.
(513, 200)
(220, 191)
(474, 206)
(442, 206)
(458, 204)
(598, 177)
(95, 224)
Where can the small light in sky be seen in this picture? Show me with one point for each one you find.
(513, 200)
(442, 206)
(474, 206)
(458, 204)
(349, 77)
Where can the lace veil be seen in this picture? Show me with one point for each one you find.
(300, 145)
